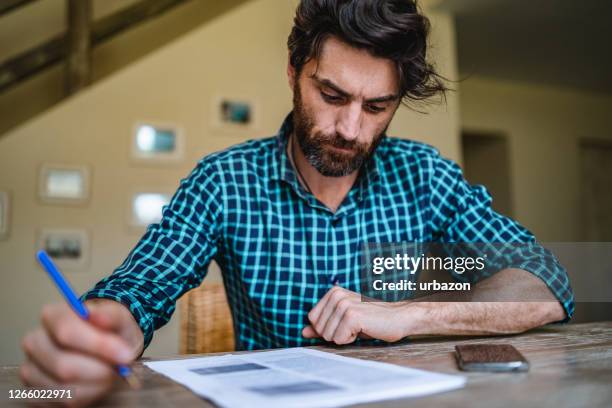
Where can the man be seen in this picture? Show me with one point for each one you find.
(285, 217)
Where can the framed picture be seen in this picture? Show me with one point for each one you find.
(157, 142)
(146, 207)
(235, 112)
(4, 214)
(64, 184)
(69, 248)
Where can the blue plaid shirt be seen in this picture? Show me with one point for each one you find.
(279, 248)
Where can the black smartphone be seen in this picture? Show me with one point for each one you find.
(490, 358)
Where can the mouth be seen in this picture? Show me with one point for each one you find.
(340, 149)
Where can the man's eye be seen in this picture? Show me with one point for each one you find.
(331, 98)
(374, 109)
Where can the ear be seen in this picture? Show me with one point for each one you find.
(290, 73)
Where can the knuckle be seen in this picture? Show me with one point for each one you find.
(102, 345)
(63, 333)
(105, 346)
(311, 315)
(65, 372)
(340, 340)
(47, 313)
(337, 296)
(343, 304)
(339, 289)
(350, 314)
(26, 343)
(350, 339)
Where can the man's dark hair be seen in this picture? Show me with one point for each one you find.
(392, 29)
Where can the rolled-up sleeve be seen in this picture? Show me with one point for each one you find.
(173, 256)
(462, 213)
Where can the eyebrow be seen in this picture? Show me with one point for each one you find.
(328, 83)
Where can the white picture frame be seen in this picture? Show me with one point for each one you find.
(145, 207)
(69, 248)
(157, 142)
(5, 214)
(228, 112)
(64, 184)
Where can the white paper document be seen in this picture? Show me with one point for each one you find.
(299, 377)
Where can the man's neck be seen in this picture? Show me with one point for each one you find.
(331, 191)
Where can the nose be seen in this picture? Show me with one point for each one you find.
(349, 122)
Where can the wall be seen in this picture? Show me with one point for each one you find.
(240, 53)
(543, 125)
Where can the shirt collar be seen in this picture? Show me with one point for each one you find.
(283, 170)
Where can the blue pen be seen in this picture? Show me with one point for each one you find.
(73, 300)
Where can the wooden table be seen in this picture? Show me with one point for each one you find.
(571, 366)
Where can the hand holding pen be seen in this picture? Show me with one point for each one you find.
(80, 348)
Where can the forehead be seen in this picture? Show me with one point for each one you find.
(354, 70)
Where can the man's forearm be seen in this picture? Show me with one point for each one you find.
(484, 311)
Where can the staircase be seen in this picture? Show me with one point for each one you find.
(51, 49)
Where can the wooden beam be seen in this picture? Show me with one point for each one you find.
(78, 57)
(30, 62)
(129, 17)
(7, 6)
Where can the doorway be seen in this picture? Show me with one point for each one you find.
(596, 213)
(596, 181)
(486, 161)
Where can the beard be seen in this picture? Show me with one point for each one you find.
(318, 148)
